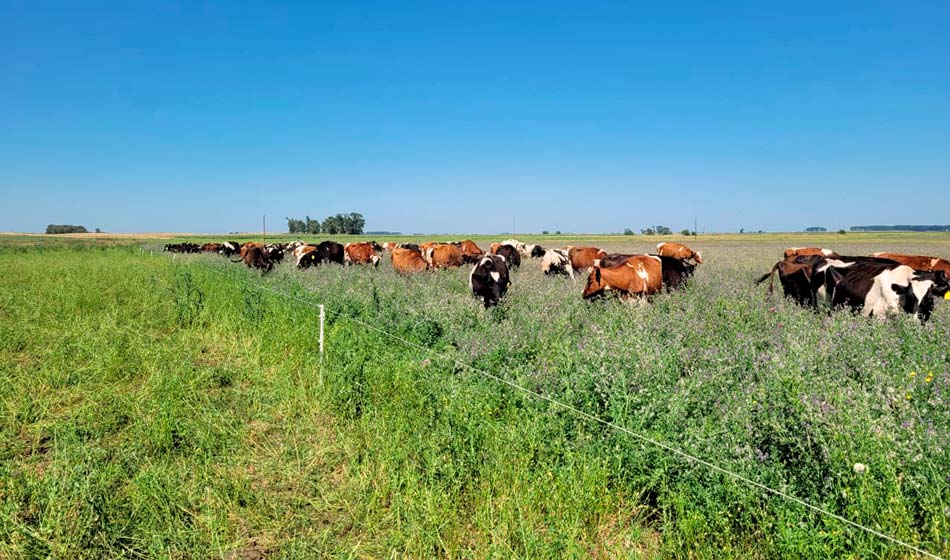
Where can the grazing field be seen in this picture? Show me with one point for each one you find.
(160, 406)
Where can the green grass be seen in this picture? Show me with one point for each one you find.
(159, 407)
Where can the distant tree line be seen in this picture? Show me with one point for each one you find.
(900, 228)
(53, 228)
(349, 224)
(815, 229)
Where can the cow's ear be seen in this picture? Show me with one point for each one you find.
(900, 290)
(597, 273)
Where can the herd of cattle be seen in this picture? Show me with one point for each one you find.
(876, 285)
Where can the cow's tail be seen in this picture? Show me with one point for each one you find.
(770, 275)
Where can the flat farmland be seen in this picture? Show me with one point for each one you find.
(179, 407)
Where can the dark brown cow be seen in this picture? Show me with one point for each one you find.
(638, 275)
(918, 262)
(408, 260)
(254, 256)
(678, 251)
(360, 253)
(793, 252)
(211, 247)
(584, 257)
(444, 255)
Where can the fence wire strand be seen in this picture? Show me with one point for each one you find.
(590, 417)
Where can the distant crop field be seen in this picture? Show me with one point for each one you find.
(159, 406)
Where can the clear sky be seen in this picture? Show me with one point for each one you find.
(458, 117)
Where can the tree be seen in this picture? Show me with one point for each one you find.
(53, 228)
(312, 226)
(545, 232)
(628, 231)
(296, 226)
(841, 232)
(685, 233)
(741, 230)
(663, 230)
(648, 231)
(98, 230)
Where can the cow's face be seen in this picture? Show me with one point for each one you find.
(595, 284)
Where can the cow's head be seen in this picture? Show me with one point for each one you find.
(595, 284)
(698, 256)
(917, 297)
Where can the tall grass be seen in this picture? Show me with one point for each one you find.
(154, 407)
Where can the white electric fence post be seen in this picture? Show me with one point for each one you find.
(322, 318)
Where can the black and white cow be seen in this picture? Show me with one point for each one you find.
(878, 289)
(275, 252)
(229, 248)
(805, 278)
(556, 261)
(489, 279)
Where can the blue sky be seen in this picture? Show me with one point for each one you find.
(458, 117)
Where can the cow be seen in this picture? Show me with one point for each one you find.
(918, 262)
(410, 246)
(803, 278)
(229, 248)
(676, 272)
(470, 251)
(274, 252)
(210, 247)
(534, 251)
(389, 246)
(444, 255)
(640, 275)
(408, 260)
(678, 251)
(793, 252)
(519, 246)
(254, 256)
(556, 261)
(324, 252)
(878, 289)
(360, 253)
(489, 279)
(584, 257)
(510, 254)
(300, 251)
(182, 247)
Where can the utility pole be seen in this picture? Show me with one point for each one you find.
(514, 228)
(264, 227)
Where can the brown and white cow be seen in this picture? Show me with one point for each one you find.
(408, 260)
(793, 252)
(300, 251)
(389, 246)
(918, 262)
(584, 257)
(639, 275)
(470, 251)
(443, 255)
(360, 253)
(678, 251)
